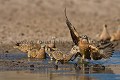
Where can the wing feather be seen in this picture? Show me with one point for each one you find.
(73, 32)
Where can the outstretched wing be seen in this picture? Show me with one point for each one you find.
(105, 50)
(73, 32)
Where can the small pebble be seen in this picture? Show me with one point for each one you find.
(6, 51)
(32, 66)
(22, 34)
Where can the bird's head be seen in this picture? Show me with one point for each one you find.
(17, 45)
(84, 39)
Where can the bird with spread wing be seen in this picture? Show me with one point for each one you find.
(89, 49)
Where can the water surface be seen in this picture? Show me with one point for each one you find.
(19, 67)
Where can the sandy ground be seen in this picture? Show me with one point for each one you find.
(41, 19)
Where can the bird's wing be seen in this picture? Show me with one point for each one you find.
(105, 50)
(58, 55)
(73, 32)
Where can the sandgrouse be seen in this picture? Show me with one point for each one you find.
(89, 50)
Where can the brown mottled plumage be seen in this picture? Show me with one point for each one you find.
(52, 43)
(37, 53)
(64, 57)
(33, 50)
(89, 50)
(24, 46)
(49, 51)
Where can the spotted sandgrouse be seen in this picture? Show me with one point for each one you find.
(51, 44)
(87, 49)
(33, 50)
(37, 53)
(24, 46)
(64, 57)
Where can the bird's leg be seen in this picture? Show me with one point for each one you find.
(28, 55)
(56, 62)
(82, 59)
(91, 57)
(51, 58)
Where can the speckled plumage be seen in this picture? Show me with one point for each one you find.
(24, 46)
(90, 49)
(62, 56)
(33, 50)
(37, 53)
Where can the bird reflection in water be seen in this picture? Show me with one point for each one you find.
(80, 72)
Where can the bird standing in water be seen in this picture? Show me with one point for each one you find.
(64, 57)
(37, 53)
(87, 49)
(33, 50)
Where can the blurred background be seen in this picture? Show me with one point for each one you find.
(41, 19)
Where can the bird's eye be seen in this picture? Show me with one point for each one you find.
(85, 36)
(73, 48)
(76, 49)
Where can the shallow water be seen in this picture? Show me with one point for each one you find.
(19, 67)
(24, 75)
